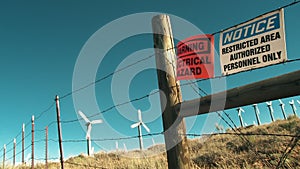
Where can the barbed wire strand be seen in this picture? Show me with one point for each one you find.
(126, 67)
(236, 129)
(110, 108)
(107, 76)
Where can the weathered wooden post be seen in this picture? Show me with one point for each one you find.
(23, 143)
(59, 132)
(32, 142)
(174, 126)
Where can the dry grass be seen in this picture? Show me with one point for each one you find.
(217, 151)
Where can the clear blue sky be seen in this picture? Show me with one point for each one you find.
(41, 42)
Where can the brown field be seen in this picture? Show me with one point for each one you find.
(215, 151)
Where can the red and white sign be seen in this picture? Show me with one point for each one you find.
(195, 57)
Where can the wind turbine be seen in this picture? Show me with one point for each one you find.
(256, 113)
(89, 129)
(153, 142)
(92, 150)
(292, 103)
(282, 108)
(269, 104)
(139, 124)
(125, 148)
(117, 146)
(240, 110)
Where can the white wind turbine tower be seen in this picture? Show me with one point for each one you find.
(117, 146)
(292, 103)
(139, 124)
(269, 104)
(125, 148)
(89, 129)
(257, 112)
(282, 108)
(240, 110)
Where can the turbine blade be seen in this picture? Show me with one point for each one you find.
(292, 102)
(135, 125)
(147, 129)
(96, 121)
(242, 110)
(140, 115)
(298, 101)
(269, 103)
(281, 103)
(83, 116)
(88, 132)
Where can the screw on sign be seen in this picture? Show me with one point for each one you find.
(195, 57)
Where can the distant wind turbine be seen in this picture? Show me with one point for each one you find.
(256, 113)
(27, 159)
(220, 128)
(269, 104)
(92, 150)
(282, 108)
(139, 124)
(125, 148)
(117, 146)
(292, 103)
(89, 129)
(240, 110)
(153, 142)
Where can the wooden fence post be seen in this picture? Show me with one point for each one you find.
(32, 142)
(46, 146)
(59, 132)
(14, 152)
(4, 153)
(23, 143)
(174, 126)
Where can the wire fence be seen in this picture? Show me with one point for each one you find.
(294, 138)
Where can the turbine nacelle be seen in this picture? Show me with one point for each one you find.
(240, 111)
(89, 123)
(292, 103)
(281, 103)
(140, 123)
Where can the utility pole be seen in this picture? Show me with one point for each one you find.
(59, 132)
(174, 125)
(46, 146)
(32, 142)
(14, 152)
(23, 143)
(4, 153)
(256, 113)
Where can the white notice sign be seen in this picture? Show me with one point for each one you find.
(256, 43)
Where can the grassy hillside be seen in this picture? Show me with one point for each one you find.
(216, 151)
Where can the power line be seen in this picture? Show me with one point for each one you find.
(113, 139)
